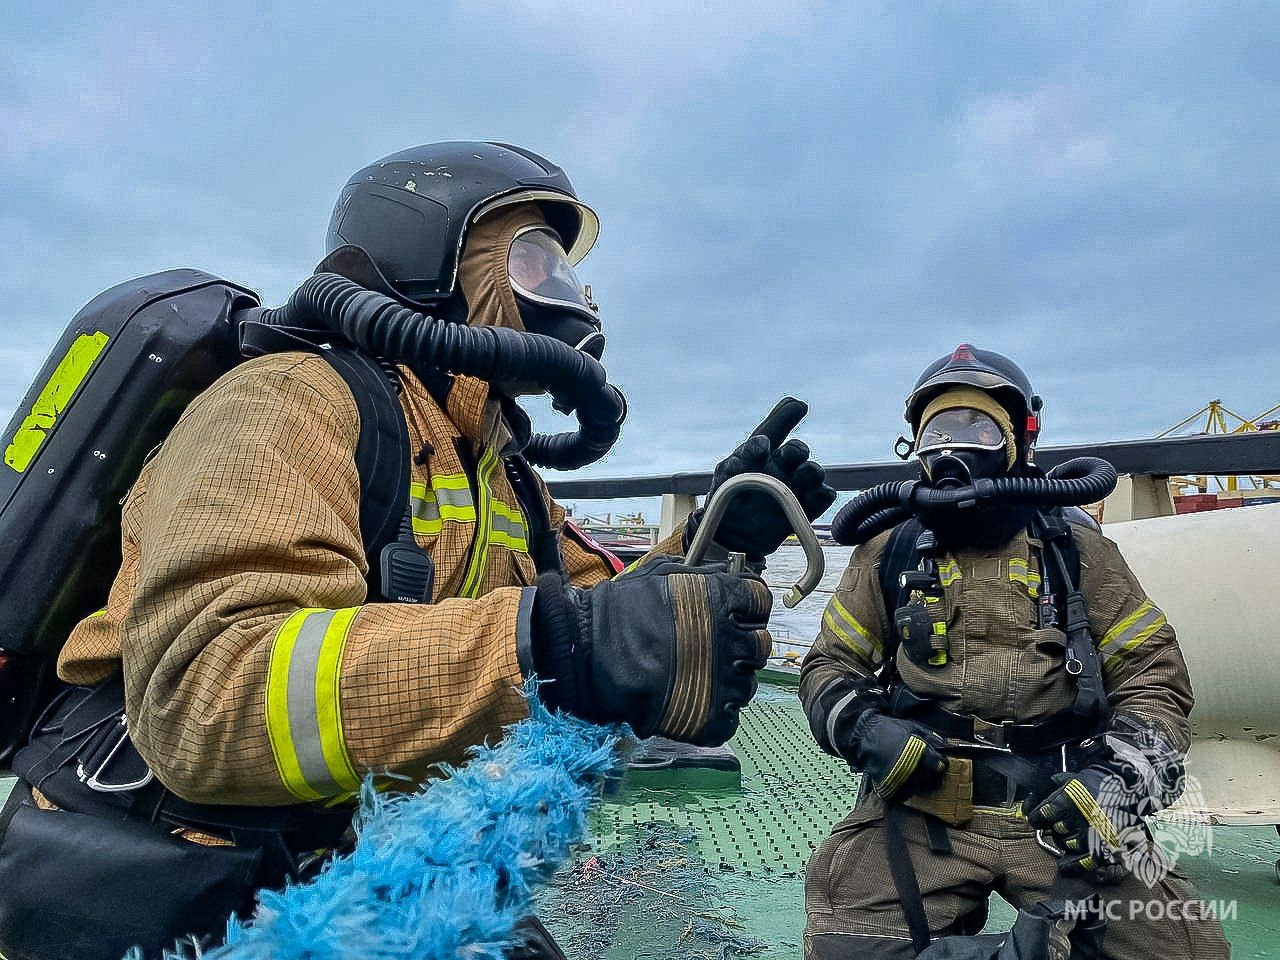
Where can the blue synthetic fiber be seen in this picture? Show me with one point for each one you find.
(446, 872)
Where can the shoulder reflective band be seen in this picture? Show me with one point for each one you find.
(842, 623)
(448, 498)
(53, 399)
(1019, 573)
(1130, 633)
(484, 513)
(304, 717)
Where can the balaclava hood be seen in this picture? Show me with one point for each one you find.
(483, 273)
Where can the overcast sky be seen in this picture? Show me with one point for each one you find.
(803, 198)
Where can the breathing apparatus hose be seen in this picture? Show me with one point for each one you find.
(388, 329)
(1071, 484)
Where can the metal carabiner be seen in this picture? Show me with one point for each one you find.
(716, 506)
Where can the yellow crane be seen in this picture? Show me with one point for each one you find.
(1213, 419)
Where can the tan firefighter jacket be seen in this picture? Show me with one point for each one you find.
(255, 671)
(1000, 665)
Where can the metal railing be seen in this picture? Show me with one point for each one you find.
(1146, 464)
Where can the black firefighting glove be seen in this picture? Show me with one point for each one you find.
(754, 523)
(668, 648)
(1088, 818)
(899, 756)
(1098, 814)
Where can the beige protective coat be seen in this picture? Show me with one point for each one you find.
(249, 514)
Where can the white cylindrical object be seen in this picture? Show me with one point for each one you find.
(1216, 575)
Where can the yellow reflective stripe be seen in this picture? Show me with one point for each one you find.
(448, 498)
(848, 629)
(1088, 806)
(948, 572)
(97, 613)
(1131, 632)
(53, 399)
(907, 762)
(304, 715)
(508, 529)
(1020, 573)
(484, 513)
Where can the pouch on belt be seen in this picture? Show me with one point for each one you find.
(952, 800)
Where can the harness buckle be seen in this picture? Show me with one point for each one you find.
(992, 734)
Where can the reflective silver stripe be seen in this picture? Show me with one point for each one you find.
(425, 509)
(837, 617)
(304, 720)
(1137, 626)
(512, 528)
(834, 716)
(453, 498)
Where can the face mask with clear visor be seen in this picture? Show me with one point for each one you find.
(551, 299)
(960, 429)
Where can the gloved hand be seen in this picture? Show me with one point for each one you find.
(1098, 815)
(899, 756)
(671, 649)
(1090, 816)
(754, 523)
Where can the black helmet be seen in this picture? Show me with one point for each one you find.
(990, 372)
(409, 213)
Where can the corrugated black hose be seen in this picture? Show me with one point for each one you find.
(1071, 484)
(388, 329)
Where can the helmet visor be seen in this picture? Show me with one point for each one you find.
(541, 273)
(961, 428)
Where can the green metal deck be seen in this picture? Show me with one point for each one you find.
(692, 865)
(695, 865)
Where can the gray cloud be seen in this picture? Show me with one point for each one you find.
(813, 198)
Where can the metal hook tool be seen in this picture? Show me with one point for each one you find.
(815, 561)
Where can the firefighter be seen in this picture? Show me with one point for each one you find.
(1006, 742)
(260, 684)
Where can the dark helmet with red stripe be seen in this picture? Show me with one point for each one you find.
(990, 372)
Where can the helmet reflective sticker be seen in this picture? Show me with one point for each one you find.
(961, 429)
(540, 273)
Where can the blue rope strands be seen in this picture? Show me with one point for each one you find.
(446, 872)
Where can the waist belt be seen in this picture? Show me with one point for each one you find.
(81, 758)
(1057, 730)
(1003, 779)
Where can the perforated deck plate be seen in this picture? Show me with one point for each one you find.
(755, 841)
(791, 794)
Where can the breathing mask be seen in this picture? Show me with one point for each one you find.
(965, 436)
(960, 445)
(549, 297)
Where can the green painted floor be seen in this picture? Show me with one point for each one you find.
(709, 869)
(706, 869)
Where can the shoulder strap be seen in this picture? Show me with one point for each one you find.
(899, 556)
(382, 452)
(1054, 526)
(1063, 557)
(544, 544)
